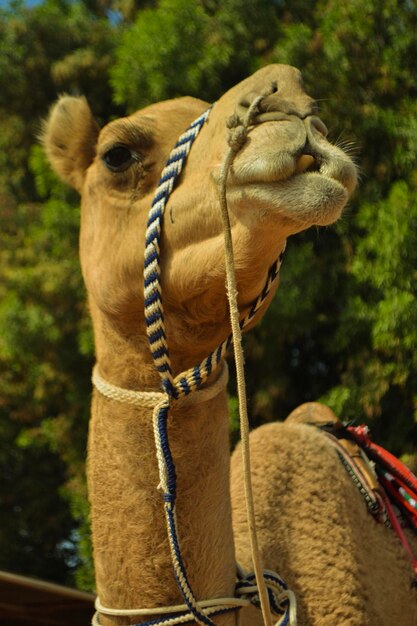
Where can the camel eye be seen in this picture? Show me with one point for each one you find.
(119, 158)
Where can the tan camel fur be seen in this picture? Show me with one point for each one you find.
(314, 528)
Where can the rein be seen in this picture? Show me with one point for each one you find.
(266, 589)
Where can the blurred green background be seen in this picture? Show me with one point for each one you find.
(343, 326)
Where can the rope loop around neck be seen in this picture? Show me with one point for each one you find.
(149, 399)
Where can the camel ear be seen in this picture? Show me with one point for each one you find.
(69, 138)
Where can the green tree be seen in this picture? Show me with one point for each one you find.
(190, 48)
(45, 338)
(343, 323)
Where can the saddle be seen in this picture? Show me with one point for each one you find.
(388, 487)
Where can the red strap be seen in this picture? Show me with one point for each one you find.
(401, 475)
(396, 524)
(385, 458)
(393, 486)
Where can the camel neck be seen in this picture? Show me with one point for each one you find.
(131, 551)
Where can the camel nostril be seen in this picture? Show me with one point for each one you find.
(247, 99)
(318, 125)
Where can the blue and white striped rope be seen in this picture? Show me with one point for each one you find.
(154, 312)
(185, 383)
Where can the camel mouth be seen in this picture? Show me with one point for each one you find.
(285, 167)
(294, 153)
(307, 186)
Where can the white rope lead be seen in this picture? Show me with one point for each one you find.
(177, 608)
(237, 141)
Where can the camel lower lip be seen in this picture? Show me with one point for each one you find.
(309, 198)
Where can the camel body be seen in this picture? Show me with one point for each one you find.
(320, 536)
(312, 523)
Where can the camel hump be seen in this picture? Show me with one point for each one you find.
(313, 413)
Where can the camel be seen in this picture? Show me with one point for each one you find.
(313, 526)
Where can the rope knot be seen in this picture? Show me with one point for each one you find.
(239, 129)
(237, 137)
(238, 132)
(233, 121)
(281, 599)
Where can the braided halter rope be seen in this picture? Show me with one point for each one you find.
(271, 589)
(154, 313)
(191, 380)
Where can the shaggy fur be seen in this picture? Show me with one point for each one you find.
(286, 178)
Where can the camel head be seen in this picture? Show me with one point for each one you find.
(286, 178)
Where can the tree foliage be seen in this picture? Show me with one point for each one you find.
(189, 48)
(45, 337)
(343, 325)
